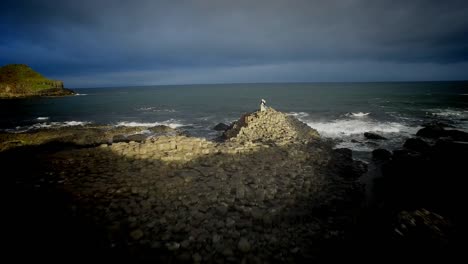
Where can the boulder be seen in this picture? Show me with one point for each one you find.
(381, 154)
(370, 135)
(416, 144)
(432, 131)
(221, 127)
(457, 135)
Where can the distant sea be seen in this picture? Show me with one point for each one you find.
(340, 111)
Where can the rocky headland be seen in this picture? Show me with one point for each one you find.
(19, 80)
(270, 189)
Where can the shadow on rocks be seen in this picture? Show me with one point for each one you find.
(92, 203)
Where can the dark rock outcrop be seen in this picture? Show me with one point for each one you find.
(221, 127)
(431, 131)
(370, 135)
(438, 130)
(426, 176)
(416, 144)
(381, 154)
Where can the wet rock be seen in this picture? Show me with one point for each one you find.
(119, 138)
(370, 135)
(381, 154)
(161, 129)
(416, 144)
(432, 131)
(221, 127)
(457, 135)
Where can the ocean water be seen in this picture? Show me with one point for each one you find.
(340, 111)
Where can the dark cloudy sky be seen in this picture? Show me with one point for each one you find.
(92, 43)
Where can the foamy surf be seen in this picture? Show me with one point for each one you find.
(78, 94)
(448, 113)
(156, 109)
(42, 118)
(340, 128)
(170, 123)
(44, 125)
(298, 115)
(358, 114)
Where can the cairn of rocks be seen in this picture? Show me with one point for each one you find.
(270, 126)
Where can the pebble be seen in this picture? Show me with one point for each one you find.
(243, 245)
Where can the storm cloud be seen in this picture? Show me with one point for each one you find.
(112, 43)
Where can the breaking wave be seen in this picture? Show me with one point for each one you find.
(298, 115)
(340, 128)
(358, 114)
(19, 129)
(170, 123)
(449, 113)
(156, 109)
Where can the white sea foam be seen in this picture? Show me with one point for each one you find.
(298, 115)
(48, 125)
(170, 123)
(78, 94)
(344, 127)
(449, 113)
(155, 109)
(71, 123)
(42, 118)
(358, 114)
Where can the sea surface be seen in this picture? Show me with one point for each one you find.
(340, 111)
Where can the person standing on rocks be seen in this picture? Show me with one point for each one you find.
(263, 105)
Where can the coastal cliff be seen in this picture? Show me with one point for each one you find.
(19, 80)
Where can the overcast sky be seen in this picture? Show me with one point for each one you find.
(94, 43)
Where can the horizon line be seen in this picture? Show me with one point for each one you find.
(244, 83)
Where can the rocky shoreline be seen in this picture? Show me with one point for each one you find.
(271, 190)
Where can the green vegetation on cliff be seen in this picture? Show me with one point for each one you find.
(18, 80)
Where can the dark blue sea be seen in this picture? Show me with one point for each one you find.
(341, 111)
